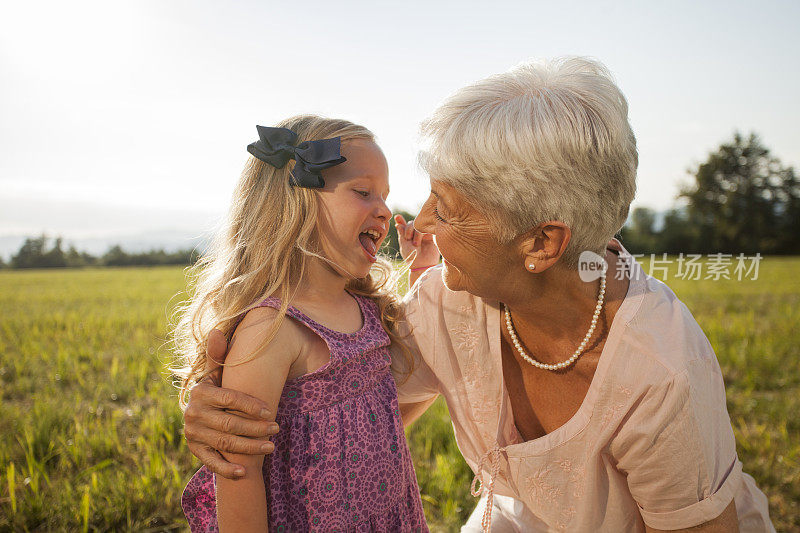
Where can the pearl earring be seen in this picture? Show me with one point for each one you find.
(532, 267)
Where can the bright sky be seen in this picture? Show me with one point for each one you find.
(115, 108)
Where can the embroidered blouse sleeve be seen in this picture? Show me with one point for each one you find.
(678, 450)
(421, 306)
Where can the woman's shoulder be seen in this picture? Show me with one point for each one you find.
(661, 338)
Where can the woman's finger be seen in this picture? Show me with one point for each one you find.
(409, 233)
(401, 231)
(235, 424)
(251, 406)
(225, 442)
(415, 239)
(217, 464)
(399, 220)
(220, 441)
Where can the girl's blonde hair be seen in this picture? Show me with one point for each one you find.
(269, 236)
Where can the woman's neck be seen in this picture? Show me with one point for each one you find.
(555, 305)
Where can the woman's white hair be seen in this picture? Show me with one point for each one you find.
(546, 140)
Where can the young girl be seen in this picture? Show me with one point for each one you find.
(307, 219)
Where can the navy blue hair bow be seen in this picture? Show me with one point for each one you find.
(277, 146)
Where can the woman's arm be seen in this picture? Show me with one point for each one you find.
(417, 385)
(261, 372)
(410, 412)
(677, 451)
(727, 522)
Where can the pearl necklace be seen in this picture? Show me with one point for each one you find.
(563, 364)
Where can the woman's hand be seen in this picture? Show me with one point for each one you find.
(226, 420)
(412, 242)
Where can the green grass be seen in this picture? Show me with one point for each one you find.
(90, 432)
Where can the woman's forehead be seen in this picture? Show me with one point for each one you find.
(443, 190)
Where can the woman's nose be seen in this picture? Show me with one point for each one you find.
(424, 222)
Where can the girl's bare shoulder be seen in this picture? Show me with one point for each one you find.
(264, 332)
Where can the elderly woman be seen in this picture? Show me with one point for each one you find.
(584, 400)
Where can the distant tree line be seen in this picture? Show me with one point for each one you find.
(38, 252)
(741, 200)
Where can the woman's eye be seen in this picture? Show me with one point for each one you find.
(437, 215)
(363, 193)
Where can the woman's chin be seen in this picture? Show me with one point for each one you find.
(451, 277)
(455, 280)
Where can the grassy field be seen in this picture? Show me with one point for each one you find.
(90, 432)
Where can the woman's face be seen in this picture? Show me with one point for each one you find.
(353, 217)
(474, 261)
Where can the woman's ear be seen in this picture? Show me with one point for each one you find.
(544, 245)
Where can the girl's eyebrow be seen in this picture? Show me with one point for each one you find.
(368, 177)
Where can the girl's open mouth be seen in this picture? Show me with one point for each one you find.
(370, 240)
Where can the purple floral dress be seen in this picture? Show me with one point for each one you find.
(341, 462)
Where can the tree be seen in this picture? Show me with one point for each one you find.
(34, 254)
(77, 259)
(678, 235)
(639, 234)
(744, 200)
(55, 256)
(31, 253)
(116, 256)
